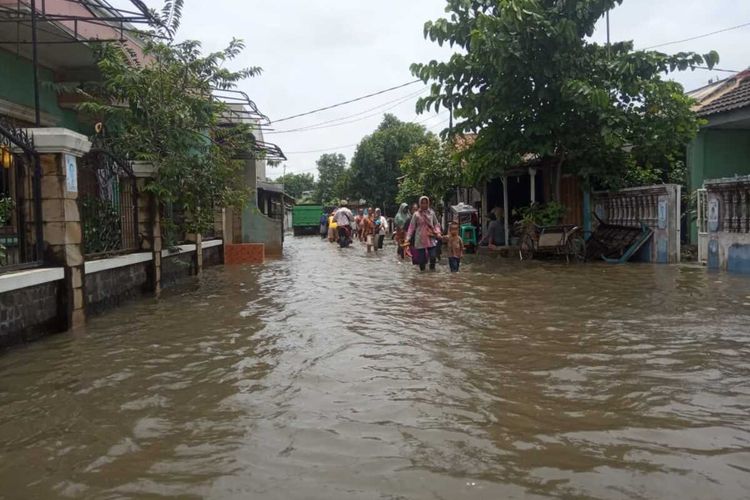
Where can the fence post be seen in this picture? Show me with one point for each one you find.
(198, 254)
(59, 150)
(149, 221)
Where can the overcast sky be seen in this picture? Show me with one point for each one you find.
(318, 52)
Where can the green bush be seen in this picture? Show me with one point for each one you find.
(102, 231)
(6, 209)
(549, 214)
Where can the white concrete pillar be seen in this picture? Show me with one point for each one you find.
(532, 179)
(59, 150)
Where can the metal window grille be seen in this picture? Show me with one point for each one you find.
(20, 226)
(108, 202)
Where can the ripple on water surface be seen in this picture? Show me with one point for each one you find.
(336, 374)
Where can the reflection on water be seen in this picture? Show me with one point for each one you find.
(336, 374)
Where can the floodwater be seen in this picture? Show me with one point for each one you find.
(336, 374)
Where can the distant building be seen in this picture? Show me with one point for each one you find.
(722, 147)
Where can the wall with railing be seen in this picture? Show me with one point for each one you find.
(20, 205)
(82, 236)
(108, 204)
(657, 207)
(728, 217)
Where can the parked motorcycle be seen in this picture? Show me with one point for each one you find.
(345, 236)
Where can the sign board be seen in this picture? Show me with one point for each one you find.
(71, 173)
(663, 205)
(600, 212)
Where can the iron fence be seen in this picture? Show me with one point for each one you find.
(108, 203)
(20, 204)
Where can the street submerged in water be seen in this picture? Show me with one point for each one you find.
(333, 373)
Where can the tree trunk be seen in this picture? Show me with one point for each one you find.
(446, 203)
(558, 180)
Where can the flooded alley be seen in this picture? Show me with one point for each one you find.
(339, 374)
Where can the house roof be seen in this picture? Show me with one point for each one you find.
(723, 96)
(273, 187)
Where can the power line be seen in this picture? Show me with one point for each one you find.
(348, 102)
(337, 148)
(323, 125)
(698, 37)
(718, 69)
(438, 124)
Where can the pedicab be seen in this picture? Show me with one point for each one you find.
(467, 218)
(562, 240)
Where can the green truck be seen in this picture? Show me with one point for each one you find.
(306, 219)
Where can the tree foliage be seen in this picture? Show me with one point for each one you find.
(376, 166)
(529, 80)
(296, 184)
(162, 110)
(331, 169)
(430, 169)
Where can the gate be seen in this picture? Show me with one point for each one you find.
(108, 203)
(702, 224)
(20, 202)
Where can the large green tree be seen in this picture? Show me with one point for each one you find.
(376, 165)
(161, 109)
(430, 169)
(296, 184)
(331, 169)
(528, 79)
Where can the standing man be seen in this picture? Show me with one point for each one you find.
(358, 221)
(381, 229)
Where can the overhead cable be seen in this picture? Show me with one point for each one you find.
(338, 148)
(327, 124)
(698, 37)
(347, 102)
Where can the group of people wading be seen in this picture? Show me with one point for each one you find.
(416, 231)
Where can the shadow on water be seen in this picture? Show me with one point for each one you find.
(338, 374)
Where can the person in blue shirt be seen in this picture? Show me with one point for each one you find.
(324, 225)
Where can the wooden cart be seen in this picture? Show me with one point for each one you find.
(563, 241)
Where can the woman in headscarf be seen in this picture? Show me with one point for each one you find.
(425, 229)
(401, 220)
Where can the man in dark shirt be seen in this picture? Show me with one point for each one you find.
(495, 235)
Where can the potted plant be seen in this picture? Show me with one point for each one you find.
(549, 214)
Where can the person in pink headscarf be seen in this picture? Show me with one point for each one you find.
(425, 228)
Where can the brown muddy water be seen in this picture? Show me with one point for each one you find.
(335, 374)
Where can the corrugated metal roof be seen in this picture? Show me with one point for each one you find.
(274, 187)
(724, 96)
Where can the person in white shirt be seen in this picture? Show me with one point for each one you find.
(381, 229)
(344, 219)
(344, 216)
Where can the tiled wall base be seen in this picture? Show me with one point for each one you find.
(244, 253)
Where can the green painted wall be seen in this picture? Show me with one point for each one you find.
(16, 86)
(714, 154)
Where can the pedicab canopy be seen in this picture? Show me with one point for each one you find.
(463, 213)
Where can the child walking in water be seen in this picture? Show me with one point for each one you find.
(455, 247)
